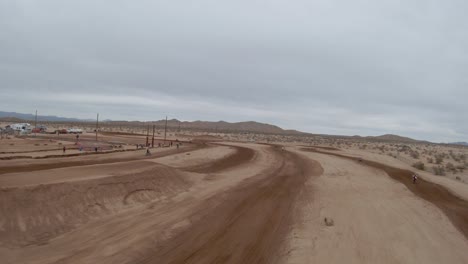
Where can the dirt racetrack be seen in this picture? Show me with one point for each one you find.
(257, 212)
(454, 207)
(241, 155)
(90, 159)
(220, 218)
(221, 202)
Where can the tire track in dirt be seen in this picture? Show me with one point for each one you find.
(64, 164)
(455, 208)
(250, 223)
(240, 156)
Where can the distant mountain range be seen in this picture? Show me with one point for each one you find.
(31, 117)
(219, 126)
(459, 143)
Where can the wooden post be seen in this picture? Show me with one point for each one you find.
(97, 125)
(35, 124)
(165, 129)
(147, 136)
(152, 141)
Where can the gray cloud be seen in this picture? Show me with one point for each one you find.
(342, 67)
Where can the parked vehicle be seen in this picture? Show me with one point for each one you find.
(61, 131)
(21, 128)
(75, 131)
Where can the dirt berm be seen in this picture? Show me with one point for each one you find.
(240, 156)
(33, 215)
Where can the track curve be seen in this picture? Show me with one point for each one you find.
(240, 156)
(249, 225)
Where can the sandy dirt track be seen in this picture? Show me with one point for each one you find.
(240, 155)
(376, 220)
(454, 207)
(225, 202)
(250, 224)
(160, 215)
(14, 166)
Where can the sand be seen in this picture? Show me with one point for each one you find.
(221, 202)
(376, 220)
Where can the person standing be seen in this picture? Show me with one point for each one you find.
(64, 149)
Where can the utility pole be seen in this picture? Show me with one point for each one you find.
(147, 135)
(152, 141)
(35, 124)
(165, 129)
(97, 125)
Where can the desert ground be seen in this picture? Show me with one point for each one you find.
(230, 198)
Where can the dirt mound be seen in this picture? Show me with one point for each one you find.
(33, 215)
(454, 207)
(242, 155)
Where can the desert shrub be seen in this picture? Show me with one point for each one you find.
(414, 154)
(404, 148)
(461, 167)
(449, 166)
(439, 158)
(439, 170)
(329, 221)
(462, 157)
(458, 178)
(430, 160)
(419, 165)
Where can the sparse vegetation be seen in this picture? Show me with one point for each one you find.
(414, 154)
(439, 159)
(439, 170)
(418, 165)
(450, 167)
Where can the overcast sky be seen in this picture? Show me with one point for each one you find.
(327, 66)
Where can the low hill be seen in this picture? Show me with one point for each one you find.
(7, 116)
(396, 138)
(219, 126)
(459, 143)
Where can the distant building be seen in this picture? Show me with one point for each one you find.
(21, 128)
